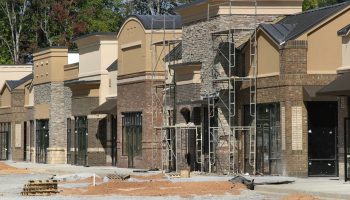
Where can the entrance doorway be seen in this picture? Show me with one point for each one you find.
(42, 140)
(268, 140)
(5, 129)
(81, 140)
(132, 136)
(114, 139)
(347, 149)
(322, 138)
(25, 142)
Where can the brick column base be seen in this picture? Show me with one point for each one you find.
(32, 154)
(56, 156)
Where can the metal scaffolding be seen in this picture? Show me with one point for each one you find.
(223, 95)
(167, 136)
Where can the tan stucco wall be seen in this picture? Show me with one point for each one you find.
(13, 72)
(96, 53)
(135, 44)
(346, 52)
(49, 65)
(219, 7)
(324, 46)
(85, 90)
(28, 96)
(71, 71)
(267, 56)
(188, 75)
(112, 83)
(132, 48)
(6, 98)
(41, 111)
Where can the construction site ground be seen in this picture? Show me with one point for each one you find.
(76, 182)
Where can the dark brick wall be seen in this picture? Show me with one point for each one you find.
(293, 57)
(82, 106)
(15, 114)
(137, 97)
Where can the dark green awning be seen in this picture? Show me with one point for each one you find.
(108, 107)
(339, 87)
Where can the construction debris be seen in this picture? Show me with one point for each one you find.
(240, 179)
(40, 188)
(174, 175)
(117, 176)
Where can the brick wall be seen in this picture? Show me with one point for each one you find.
(15, 115)
(82, 106)
(137, 97)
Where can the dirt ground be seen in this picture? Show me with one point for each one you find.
(299, 196)
(6, 169)
(156, 185)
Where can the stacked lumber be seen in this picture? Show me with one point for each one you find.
(40, 188)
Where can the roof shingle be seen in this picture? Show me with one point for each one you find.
(293, 26)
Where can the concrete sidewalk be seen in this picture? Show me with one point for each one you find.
(60, 169)
(324, 188)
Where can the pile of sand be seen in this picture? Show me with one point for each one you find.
(6, 169)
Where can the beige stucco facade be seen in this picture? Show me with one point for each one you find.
(96, 53)
(13, 72)
(48, 65)
(219, 7)
(112, 84)
(137, 42)
(345, 53)
(5, 97)
(268, 60)
(323, 42)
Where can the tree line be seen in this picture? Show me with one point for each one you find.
(28, 25)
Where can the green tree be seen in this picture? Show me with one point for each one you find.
(311, 4)
(152, 7)
(13, 18)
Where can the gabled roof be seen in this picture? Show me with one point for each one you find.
(174, 54)
(295, 25)
(157, 21)
(113, 66)
(13, 84)
(344, 31)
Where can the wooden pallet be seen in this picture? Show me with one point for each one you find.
(40, 188)
(117, 177)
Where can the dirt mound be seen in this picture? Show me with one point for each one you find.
(158, 188)
(7, 169)
(299, 196)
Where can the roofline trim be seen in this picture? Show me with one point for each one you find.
(324, 20)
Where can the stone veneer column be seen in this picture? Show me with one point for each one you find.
(56, 153)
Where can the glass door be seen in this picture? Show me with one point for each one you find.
(347, 149)
(81, 140)
(42, 140)
(4, 141)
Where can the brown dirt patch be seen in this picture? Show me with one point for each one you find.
(299, 196)
(158, 188)
(7, 169)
